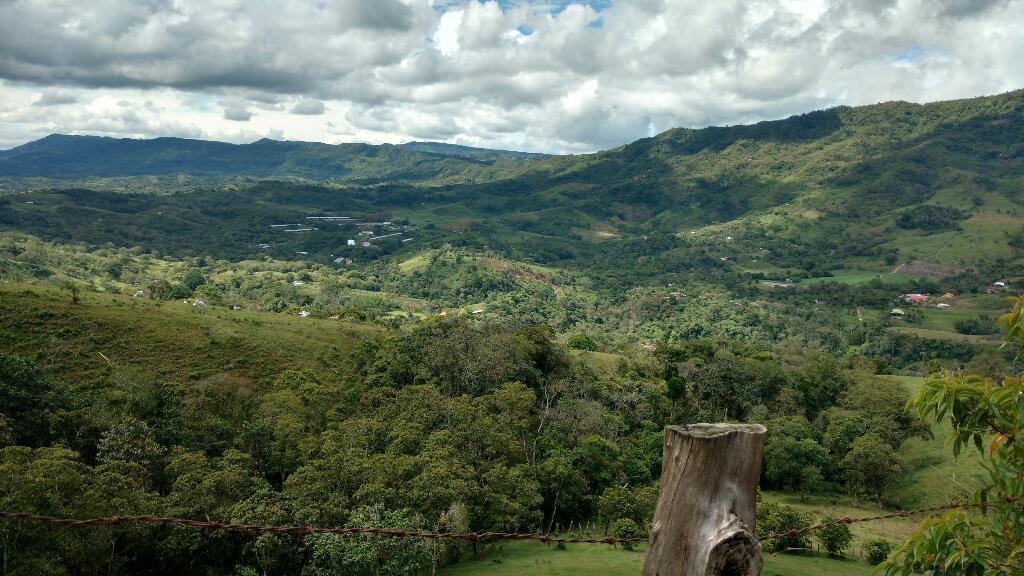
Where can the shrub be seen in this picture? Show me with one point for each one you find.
(774, 518)
(974, 325)
(835, 537)
(581, 342)
(930, 218)
(877, 551)
(626, 528)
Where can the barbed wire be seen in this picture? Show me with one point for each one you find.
(302, 530)
(891, 515)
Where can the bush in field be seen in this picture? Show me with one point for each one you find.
(835, 537)
(974, 325)
(774, 518)
(877, 551)
(626, 528)
(581, 342)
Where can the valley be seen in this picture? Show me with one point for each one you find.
(443, 338)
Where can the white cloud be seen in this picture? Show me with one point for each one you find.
(309, 108)
(237, 113)
(556, 77)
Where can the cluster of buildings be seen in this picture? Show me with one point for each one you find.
(366, 235)
(944, 303)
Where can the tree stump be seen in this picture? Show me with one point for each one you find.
(704, 523)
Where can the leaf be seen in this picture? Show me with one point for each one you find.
(999, 439)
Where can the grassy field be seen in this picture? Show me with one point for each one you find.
(857, 277)
(532, 559)
(603, 361)
(170, 339)
(983, 235)
(417, 263)
(945, 335)
(933, 475)
(821, 507)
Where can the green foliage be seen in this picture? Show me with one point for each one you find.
(398, 417)
(1016, 239)
(675, 388)
(773, 518)
(987, 414)
(581, 342)
(877, 551)
(73, 289)
(29, 401)
(929, 218)
(130, 440)
(835, 537)
(870, 466)
(626, 528)
(975, 325)
(193, 279)
(794, 464)
(62, 156)
(370, 555)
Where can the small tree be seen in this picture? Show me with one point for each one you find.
(870, 466)
(71, 288)
(835, 537)
(581, 342)
(877, 551)
(615, 503)
(675, 389)
(626, 528)
(775, 518)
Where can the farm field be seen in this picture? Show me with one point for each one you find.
(533, 559)
(857, 277)
(177, 341)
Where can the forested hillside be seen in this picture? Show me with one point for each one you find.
(67, 157)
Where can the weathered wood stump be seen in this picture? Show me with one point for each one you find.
(704, 524)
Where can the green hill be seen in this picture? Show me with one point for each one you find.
(926, 190)
(172, 340)
(62, 156)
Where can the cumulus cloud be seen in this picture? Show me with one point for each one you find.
(237, 113)
(309, 108)
(56, 97)
(554, 76)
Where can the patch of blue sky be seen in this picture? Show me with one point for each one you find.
(551, 6)
(910, 55)
(556, 6)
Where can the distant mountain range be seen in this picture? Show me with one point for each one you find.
(892, 184)
(63, 156)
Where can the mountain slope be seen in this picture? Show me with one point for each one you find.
(60, 156)
(933, 189)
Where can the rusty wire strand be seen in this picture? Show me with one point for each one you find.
(891, 515)
(301, 530)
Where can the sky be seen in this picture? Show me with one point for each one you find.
(545, 76)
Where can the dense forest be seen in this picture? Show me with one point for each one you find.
(448, 425)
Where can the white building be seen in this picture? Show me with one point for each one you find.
(351, 242)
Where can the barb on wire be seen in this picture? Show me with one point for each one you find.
(302, 530)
